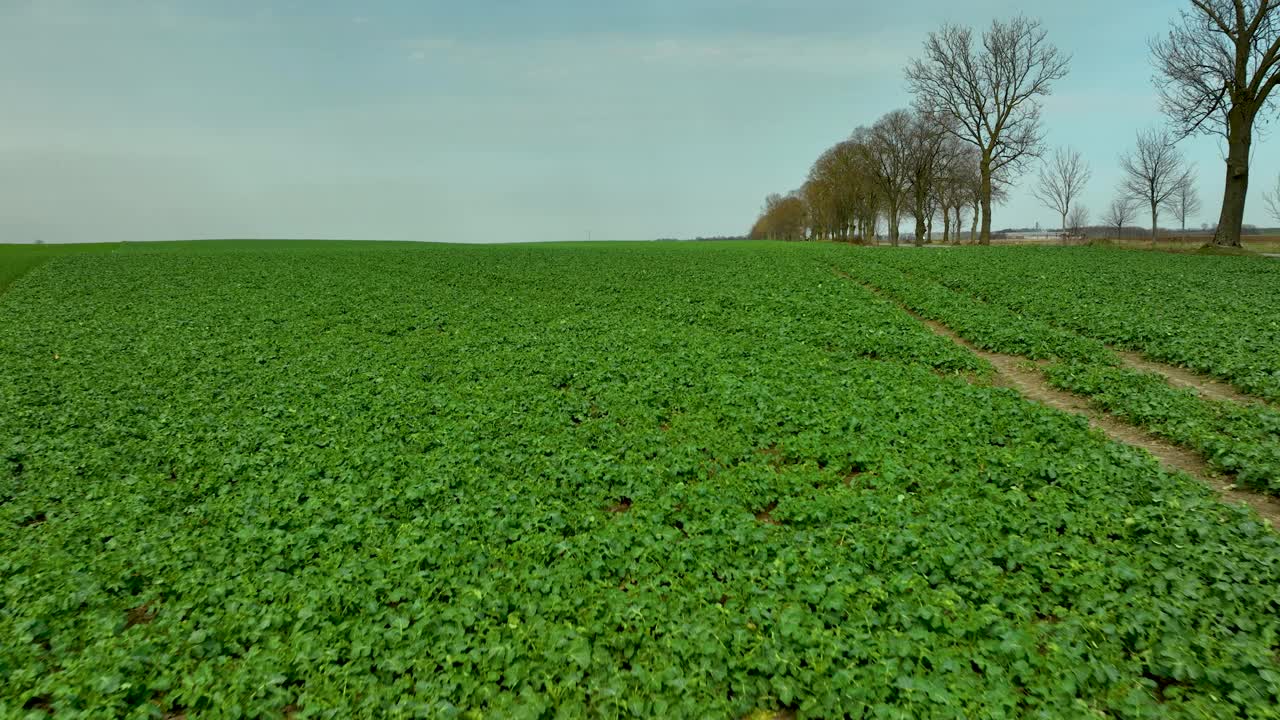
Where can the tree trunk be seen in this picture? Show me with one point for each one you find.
(946, 225)
(893, 220)
(956, 240)
(973, 231)
(1155, 223)
(1064, 228)
(1239, 141)
(985, 239)
(918, 201)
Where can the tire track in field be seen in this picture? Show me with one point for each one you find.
(1024, 376)
(1205, 386)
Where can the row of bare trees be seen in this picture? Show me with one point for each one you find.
(1154, 177)
(1215, 69)
(975, 127)
(907, 165)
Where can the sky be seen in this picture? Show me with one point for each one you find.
(503, 120)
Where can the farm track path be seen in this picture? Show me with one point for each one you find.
(1206, 386)
(1203, 385)
(1024, 376)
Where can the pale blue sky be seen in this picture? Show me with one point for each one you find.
(498, 120)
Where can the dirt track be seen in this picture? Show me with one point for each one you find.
(1023, 375)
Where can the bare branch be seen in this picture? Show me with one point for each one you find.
(988, 96)
(1120, 213)
(1215, 70)
(1184, 202)
(1077, 221)
(889, 149)
(1273, 201)
(1061, 182)
(1153, 172)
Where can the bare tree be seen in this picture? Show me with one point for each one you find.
(1185, 201)
(1153, 172)
(834, 190)
(783, 218)
(854, 195)
(988, 95)
(924, 155)
(1120, 213)
(968, 191)
(1215, 70)
(819, 208)
(960, 210)
(888, 145)
(1273, 200)
(951, 186)
(1077, 221)
(857, 187)
(1061, 182)
(972, 182)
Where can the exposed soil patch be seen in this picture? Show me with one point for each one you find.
(771, 451)
(623, 505)
(34, 520)
(141, 615)
(1181, 377)
(765, 515)
(771, 715)
(859, 478)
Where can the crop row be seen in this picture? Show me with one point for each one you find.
(1243, 440)
(1210, 314)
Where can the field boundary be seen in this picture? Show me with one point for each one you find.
(1024, 376)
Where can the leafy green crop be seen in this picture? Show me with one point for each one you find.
(1237, 439)
(1211, 314)
(650, 480)
(1243, 440)
(18, 260)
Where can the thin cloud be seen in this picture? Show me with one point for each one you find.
(825, 54)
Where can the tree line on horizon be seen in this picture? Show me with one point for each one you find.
(975, 128)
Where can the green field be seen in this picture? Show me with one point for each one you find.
(1215, 315)
(18, 260)
(620, 480)
(1062, 305)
